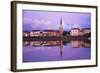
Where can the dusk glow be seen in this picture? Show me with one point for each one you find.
(33, 20)
(56, 36)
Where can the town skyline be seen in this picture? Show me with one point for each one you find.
(44, 20)
(56, 36)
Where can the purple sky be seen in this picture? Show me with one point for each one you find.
(40, 20)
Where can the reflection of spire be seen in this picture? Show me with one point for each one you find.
(61, 48)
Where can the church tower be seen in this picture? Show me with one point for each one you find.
(61, 29)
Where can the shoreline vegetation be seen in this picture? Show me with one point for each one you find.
(63, 38)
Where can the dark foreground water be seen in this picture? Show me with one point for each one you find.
(37, 51)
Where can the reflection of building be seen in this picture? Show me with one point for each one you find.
(36, 43)
(74, 43)
(26, 43)
(79, 32)
(78, 44)
(45, 43)
(26, 33)
(87, 45)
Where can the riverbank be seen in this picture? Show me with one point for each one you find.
(40, 38)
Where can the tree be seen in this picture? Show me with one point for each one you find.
(64, 33)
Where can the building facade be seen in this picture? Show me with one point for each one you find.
(75, 32)
(79, 32)
(48, 33)
(26, 34)
(87, 30)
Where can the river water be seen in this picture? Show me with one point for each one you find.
(37, 51)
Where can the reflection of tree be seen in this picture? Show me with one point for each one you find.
(65, 42)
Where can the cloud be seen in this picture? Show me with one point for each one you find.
(76, 26)
(36, 22)
(45, 22)
(41, 24)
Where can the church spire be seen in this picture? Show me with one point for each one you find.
(61, 26)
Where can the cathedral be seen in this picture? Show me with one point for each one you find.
(61, 29)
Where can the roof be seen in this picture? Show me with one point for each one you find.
(87, 28)
(26, 31)
(76, 28)
(36, 30)
(52, 30)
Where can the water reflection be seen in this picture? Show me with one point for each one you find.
(74, 43)
(79, 44)
(37, 51)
